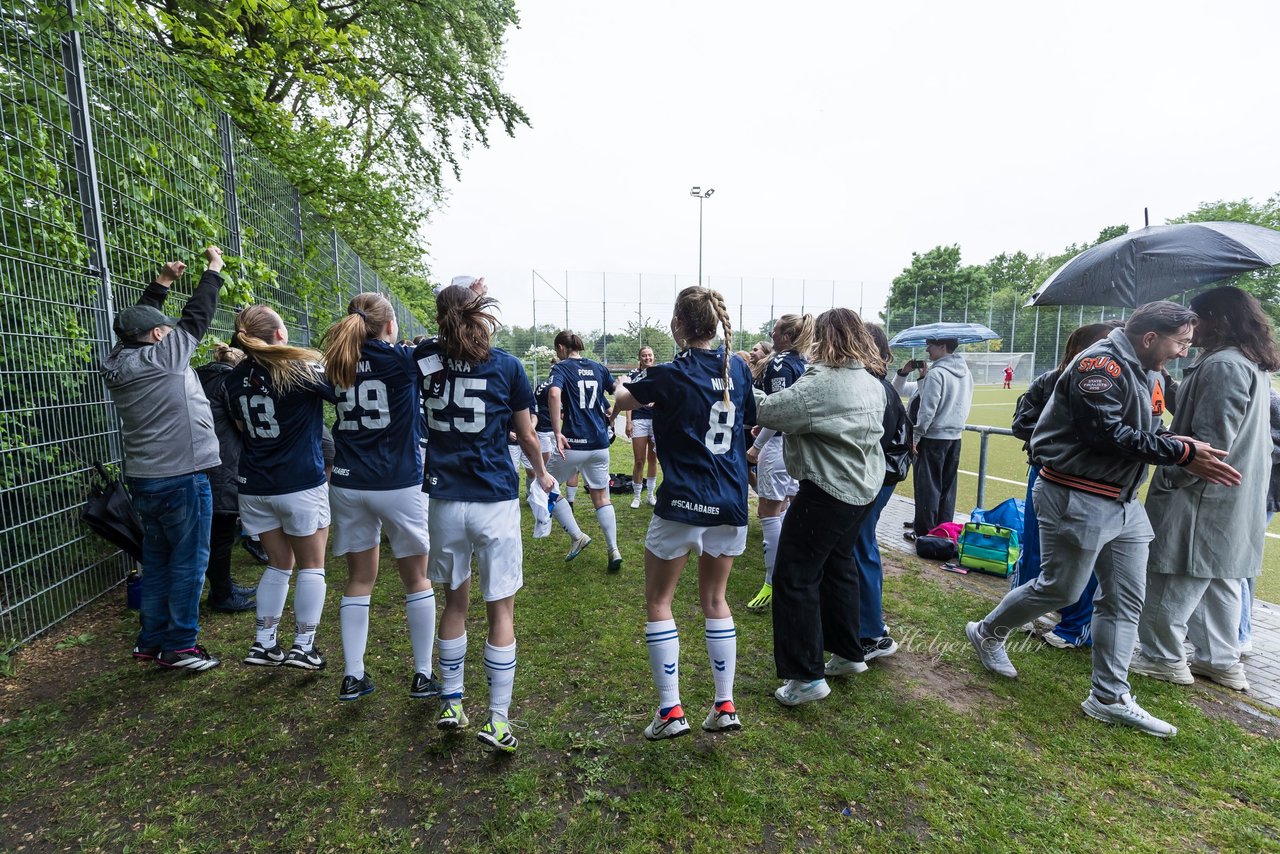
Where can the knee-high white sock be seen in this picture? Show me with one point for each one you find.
(273, 589)
(420, 609)
(453, 656)
(664, 660)
(772, 528)
(571, 492)
(609, 524)
(563, 514)
(637, 486)
(500, 668)
(308, 605)
(650, 484)
(722, 649)
(353, 620)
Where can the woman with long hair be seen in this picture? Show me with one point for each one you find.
(1211, 537)
(579, 419)
(792, 337)
(640, 432)
(758, 360)
(702, 399)
(833, 417)
(278, 393)
(376, 484)
(475, 394)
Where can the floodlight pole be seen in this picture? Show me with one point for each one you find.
(702, 196)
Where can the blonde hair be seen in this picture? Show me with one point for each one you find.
(698, 311)
(226, 354)
(466, 326)
(799, 328)
(840, 339)
(367, 316)
(288, 366)
(761, 365)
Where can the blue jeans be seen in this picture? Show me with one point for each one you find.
(176, 513)
(866, 554)
(1077, 617)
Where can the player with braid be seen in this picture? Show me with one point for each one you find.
(703, 399)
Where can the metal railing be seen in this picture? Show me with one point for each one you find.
(985, 434)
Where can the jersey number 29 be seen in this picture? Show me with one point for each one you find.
(371, 396)
(720, 433)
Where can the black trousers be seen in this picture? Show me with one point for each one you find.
(222, 537)
(815, 584)
(935, 467)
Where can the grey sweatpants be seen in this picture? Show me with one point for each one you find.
(1081, 534)
(1205, 611)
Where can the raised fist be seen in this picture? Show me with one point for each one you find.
(214, 255)
(170, 273)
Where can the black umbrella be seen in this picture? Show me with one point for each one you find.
(110, 514)
(1157, 261)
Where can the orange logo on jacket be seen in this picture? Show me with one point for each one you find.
(1099, 363)
(1157, 400)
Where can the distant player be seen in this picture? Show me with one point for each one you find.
(792, 336)
(377, 484)
(640, 432)
(475, 395)
(578, 411)
(702, 400)
(1008, 376)
(277, 393)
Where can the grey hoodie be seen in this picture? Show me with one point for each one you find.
(945, 395)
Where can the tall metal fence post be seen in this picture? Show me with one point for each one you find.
(301, 239)
(982, 469)
(231, 198)
(337, 267)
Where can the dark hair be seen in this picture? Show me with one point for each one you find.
(949, 344)
(881, 342)
(839, 338)
(1236, 319)
(698, 311)
(367, 315)
(466, 326)
(1081, 338)
(570, 341)
(1160, 317)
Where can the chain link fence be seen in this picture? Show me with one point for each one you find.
(114, 161)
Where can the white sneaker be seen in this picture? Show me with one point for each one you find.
(670, 726)
(578, 545)
(635, 502)
(722, 718)
(796, 691)
(615, 560)
(1127, 712)
(653, 498)
(841, 666)
(1246, 648)
(1178, 674)
(1057, 641)
(1232, 677)
(990, 651)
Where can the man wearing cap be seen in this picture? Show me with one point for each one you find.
(169, 445)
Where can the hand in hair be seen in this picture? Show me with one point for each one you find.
(170, 273)
(213, 255)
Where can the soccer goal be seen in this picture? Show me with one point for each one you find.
(988, 368)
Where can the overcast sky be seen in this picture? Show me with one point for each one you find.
(842, 136)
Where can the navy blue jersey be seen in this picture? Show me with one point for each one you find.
(469, 413)
(704, 448)
(281, 433)
(543, 405)
(783, 369)
(585, 420)
(377, 437)
(640, 413)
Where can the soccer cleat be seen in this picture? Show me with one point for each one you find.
(796, 691)
(1178, 674)
(841, 666)
(615, 560)
(722, 718)
(233, 603)
(193, 658)
(991, 651)
(262, 657)
(304, 659)
(353, 688)
(635, 502)
(255, 549)
(451, 714)
(669, 725)
(244, 589)
(576, 549)
(1232, 677)
(880, 647)
(763, 599)
(424, 686)
(146, 653)
(653, 499)
(1127, 712)
(496, 733)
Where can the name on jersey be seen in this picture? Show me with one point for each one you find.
(695, 508)
(458, 366)
(341, 472)
(363, 367)
(584, 372)
(718, 384)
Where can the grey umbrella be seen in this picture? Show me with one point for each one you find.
(1157, 261)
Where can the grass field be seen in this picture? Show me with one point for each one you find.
(924, 751)
(993, 407)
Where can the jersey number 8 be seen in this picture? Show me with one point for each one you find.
(371, 396)
(465, 395)
(720, 434)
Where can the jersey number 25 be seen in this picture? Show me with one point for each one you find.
(465, 394)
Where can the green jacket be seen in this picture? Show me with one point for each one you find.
(833, 419)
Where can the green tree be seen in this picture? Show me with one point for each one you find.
(937, 286)
(625, 347)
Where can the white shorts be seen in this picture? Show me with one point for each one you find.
(359, 515)
(641, 427)
(772, 481)
(518, 459)
(300, 514)
(670, 540)
(488, 530)
(594, 466)
(547, 442)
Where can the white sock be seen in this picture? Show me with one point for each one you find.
(353, 620)
(572, 492)
(650, 484)
(609, 524)
(308, 605)
(500, 668)
(664, 660)
(420, 609)
(772, 528)
(273, 589)
(636, 487)
(722, 649)
(563, 514)
(453, 655)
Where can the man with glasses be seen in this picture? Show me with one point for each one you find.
(1094, 440)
